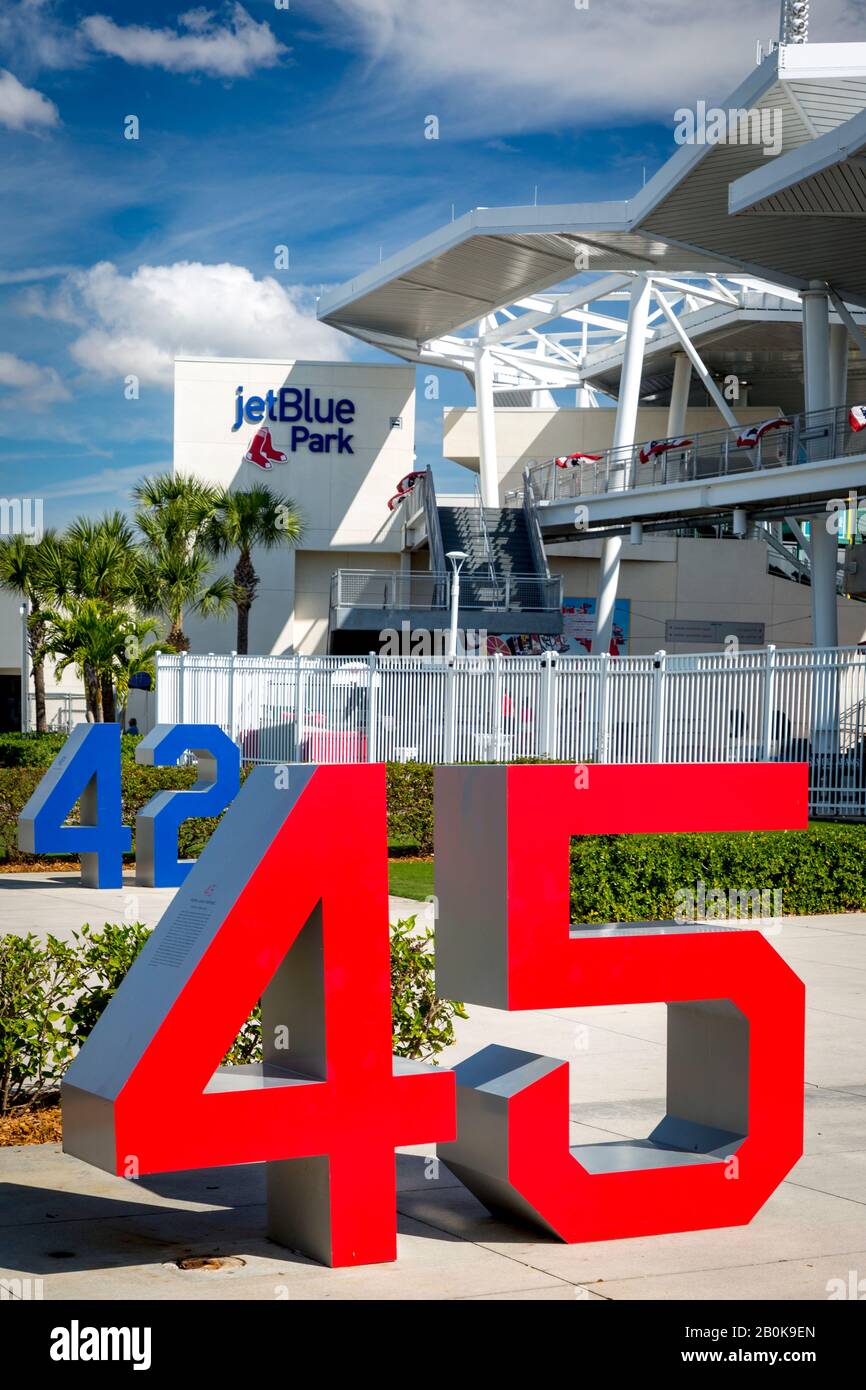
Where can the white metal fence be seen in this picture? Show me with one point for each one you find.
(63, 709)
(799, 705)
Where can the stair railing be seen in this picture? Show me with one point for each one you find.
(488, 545)
(536, 543)
(435, 545)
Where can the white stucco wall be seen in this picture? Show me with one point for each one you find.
(706, 580)
(343, 497)
(532, 436)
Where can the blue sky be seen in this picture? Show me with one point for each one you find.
(262, 125)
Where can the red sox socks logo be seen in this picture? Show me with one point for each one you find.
(262, 452)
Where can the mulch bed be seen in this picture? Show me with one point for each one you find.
(31, 1124)
(58, 867)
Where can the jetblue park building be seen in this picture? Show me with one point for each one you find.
(664, 451)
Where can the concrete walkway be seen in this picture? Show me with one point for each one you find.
(87, 1235)
(57, 905)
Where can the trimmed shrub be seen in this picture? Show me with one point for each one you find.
(410, 805)
(37, 982)
(634, 878)
(17, 785)
(102, 959)
(52, 994)
(138, 785)
(423, 1023)
(613, 877)
(29, 750)
(40, 750)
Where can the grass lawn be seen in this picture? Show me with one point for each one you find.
(411, 878)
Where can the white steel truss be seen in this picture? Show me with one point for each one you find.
(545, 343)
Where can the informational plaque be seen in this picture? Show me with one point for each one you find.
(699, 630)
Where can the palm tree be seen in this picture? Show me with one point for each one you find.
(94, 560)
(242, 520)
(138, 652)
(173, 575)
(23, 572)
(106, 647)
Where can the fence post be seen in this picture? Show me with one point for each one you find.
(496, 739)
(548, 713)
(372, 705)
(658, 708)
(603, 708)
(299, 708)
(231, 695)
(181, 688)
(157, 684)
(769, 701)
(450, 711)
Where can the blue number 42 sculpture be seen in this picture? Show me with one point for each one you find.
(87, 770)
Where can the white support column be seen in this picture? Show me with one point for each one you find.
(679, 395)
(847, 318)
(489, 465)
(694, 357)
(838, 364)
(623, 437)
(816, 346)
(839, 377)
(823, 554)
(824, 545)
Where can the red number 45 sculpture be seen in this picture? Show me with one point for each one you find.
(288, 904)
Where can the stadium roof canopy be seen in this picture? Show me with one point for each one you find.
(800, 97)
(826, 178)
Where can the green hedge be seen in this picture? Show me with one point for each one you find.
(52, 993)
(30, 750)
(138, 785)
(40, 750)
(635, 878)
(410, 806)
(613, 877)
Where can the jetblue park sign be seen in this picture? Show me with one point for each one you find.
(305, 412)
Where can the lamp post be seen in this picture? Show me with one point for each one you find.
(458, 559)
(24, 610)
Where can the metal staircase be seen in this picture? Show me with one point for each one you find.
(501, 569)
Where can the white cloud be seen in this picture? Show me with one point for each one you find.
(139, 323)
(23, 108)
(33, 272)
(239, 48)
(513, 65)
(29, 383)
(105, 482)
(35, 38)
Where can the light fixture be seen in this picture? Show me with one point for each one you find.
(458, 559)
